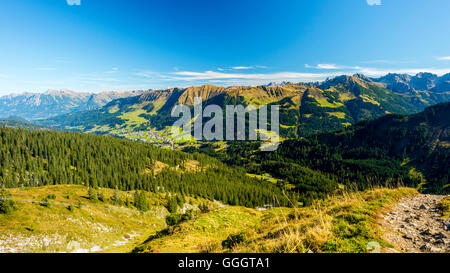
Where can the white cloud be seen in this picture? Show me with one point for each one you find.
(267, 77)
(143, 80)
(327, 66)
(445, 58)
(242, 67)
(374, 2)
(248, 67)
(74, 2)
(331, 66)
(322, 66)
(252, 78)
(377, 72)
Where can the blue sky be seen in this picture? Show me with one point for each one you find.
(100, 45)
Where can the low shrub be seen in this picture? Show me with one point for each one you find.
(204, 208)
(7, 205)
(177, 218)
(92, 193)
(46, 202)
(233, 240)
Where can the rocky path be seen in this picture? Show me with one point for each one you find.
(415, 225)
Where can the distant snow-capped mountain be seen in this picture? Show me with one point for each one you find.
(404, 83)
(56, 102)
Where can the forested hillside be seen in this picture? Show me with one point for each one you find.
(37, 158)
(391, 151)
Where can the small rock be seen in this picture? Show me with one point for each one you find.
(435, 249)
(440, 235)
(426, 232)
(424, 247)
(422, 207)
(406, 236)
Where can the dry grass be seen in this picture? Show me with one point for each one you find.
(188, 166)
(159, 166)
(342, 223)
(204, 234)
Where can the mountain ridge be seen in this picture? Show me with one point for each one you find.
(423, 81)
(305, 108)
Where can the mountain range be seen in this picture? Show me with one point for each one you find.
(177, 197)
(305, 108)
(405, 83)
(33, 106)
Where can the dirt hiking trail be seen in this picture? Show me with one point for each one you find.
(415, 225)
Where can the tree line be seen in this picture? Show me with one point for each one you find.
(39, 158)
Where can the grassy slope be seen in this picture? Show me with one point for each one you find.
(205, 233)
(344, 223)
(93, 227)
